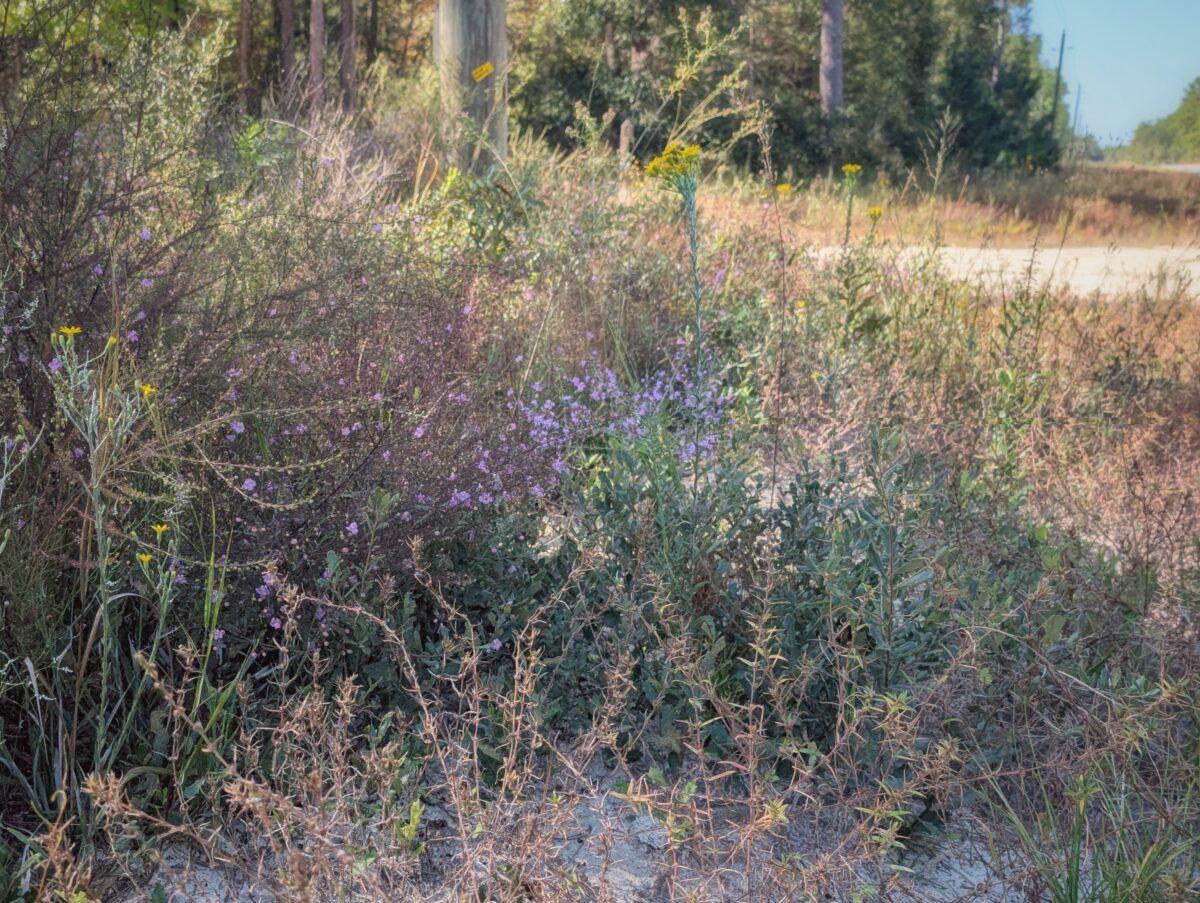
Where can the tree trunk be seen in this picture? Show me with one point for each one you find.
(349, 48)
(833, 20)
(1001, 36)
(471, 49)
(287, 50)
(316, 56)
(245, 16)
(373, 33)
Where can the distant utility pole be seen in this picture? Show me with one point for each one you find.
(1062, 46)
(470, 45)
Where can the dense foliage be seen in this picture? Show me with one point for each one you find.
(1172, 139)
(914, 71)
(907, 65)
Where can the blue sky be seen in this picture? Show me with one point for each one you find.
(1134, 58)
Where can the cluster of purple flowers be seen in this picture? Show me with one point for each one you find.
(692, 403)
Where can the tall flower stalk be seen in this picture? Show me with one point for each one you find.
(850, 173)
(678, 169)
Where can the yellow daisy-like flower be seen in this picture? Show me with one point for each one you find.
(145, 557)
(851, 169)
(148, 390)
(783, 189)
(112, 339)
(875, 212)
(70, 331)
(159, 529)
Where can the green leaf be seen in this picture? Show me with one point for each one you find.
(1052, 629)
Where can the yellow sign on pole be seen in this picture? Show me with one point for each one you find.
(479, 73)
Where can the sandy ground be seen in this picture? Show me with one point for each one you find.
(1081, 270)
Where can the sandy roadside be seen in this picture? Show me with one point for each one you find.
(1081, 270)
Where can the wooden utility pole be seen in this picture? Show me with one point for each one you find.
(349, 53)
(316, 56)
(833, 22)
(471, 49)
(639, 58)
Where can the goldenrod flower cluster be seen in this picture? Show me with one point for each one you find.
(675, 163)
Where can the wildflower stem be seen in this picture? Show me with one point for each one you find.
(693, 234)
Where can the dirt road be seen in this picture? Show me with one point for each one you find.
(1083, 271)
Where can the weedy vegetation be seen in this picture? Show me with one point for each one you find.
(374, 531)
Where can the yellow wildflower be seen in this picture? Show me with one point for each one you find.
(675, 161)
(70, 331)
(783, 189)
(145, 557)
(159, 529)
(875, 213)
(851, 169)
(112, 340)
(148, 390)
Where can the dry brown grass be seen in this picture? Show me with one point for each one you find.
(1089, 205)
